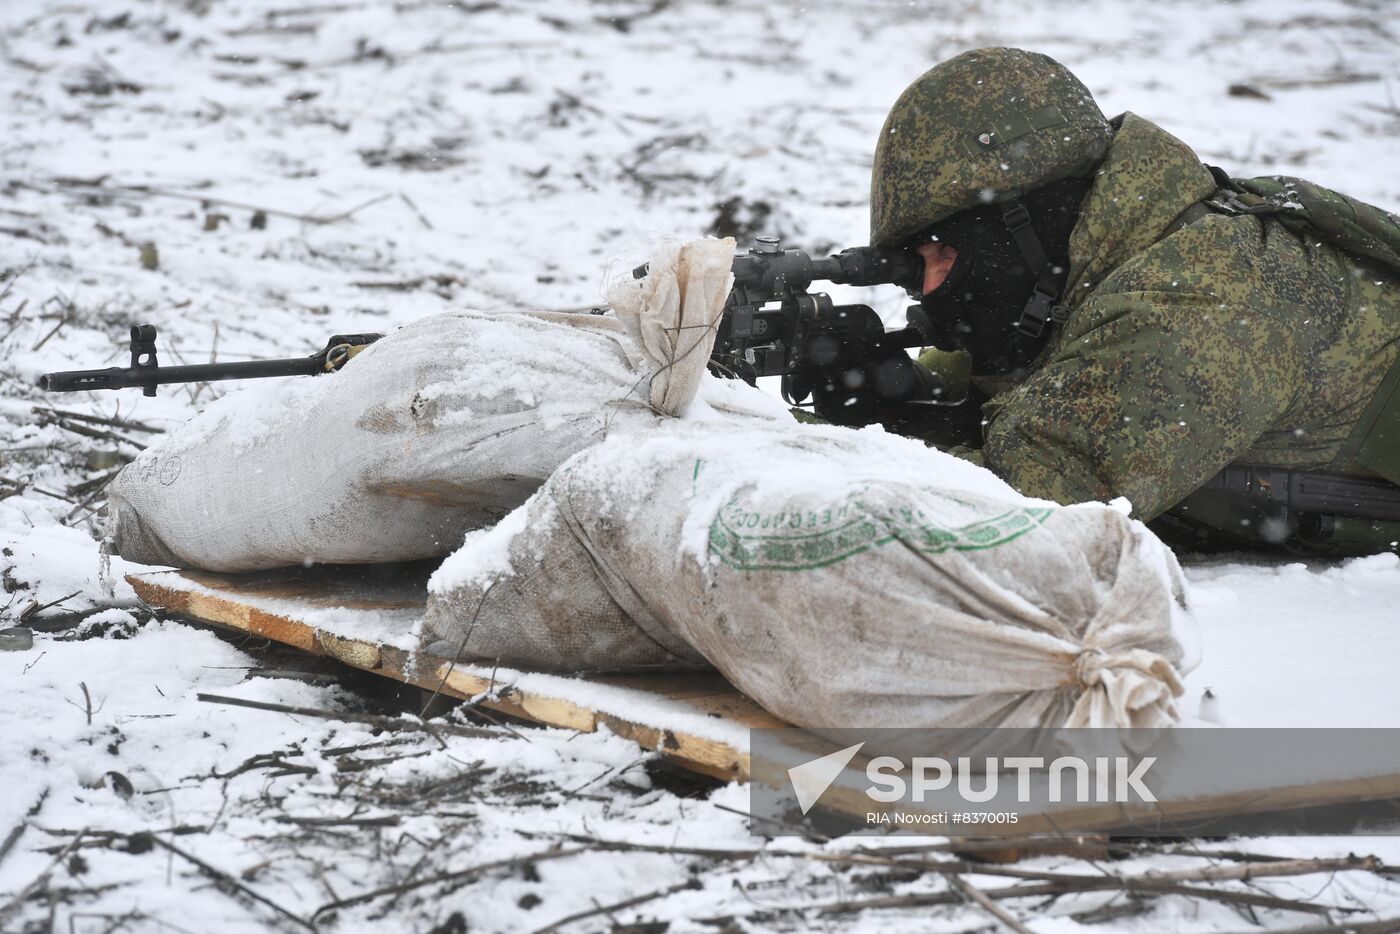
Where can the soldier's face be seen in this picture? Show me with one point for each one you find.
(938, 262)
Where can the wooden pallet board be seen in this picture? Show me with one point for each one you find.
(696, 720)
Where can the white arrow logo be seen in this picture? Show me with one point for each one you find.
(810, 780)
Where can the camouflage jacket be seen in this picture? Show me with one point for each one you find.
(1229, 340)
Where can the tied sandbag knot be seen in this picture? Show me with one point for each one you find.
(1088, 665)
(672, 317)
(1128, 689)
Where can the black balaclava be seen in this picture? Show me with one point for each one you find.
(977, 307)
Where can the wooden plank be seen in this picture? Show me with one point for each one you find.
(232, 601)
(281, 606)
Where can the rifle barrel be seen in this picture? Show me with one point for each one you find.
(127, 377)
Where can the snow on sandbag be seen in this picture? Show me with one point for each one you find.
(838, 578)
(440, 427)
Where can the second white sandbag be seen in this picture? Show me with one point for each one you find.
(839, 578)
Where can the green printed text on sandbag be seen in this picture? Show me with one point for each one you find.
(754, 540)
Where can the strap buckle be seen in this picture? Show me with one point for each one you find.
(1015, 216)
(1036, 314)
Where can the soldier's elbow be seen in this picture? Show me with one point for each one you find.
(1041, 466)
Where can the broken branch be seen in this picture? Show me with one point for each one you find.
(459, 875)
(383, 723)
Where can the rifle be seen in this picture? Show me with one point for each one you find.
(841, 356)
(145, 369)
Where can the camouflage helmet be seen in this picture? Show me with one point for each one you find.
(987, 125)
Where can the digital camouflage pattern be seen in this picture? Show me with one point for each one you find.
(1187, 348)
(1304, 206)
(988, 124)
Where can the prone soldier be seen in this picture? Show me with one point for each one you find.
(1221, 352)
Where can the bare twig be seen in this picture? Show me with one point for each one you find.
(1084, 844)
(393, 58)
(52, 495)
(360, 765)
(991, 907)
(224, 879)
(412, 206)
(408, 285)
(82, 510)
(388, 820)
(1249, 899)
(12, 279)
(97, 434)
(1043, 882)
(434, 789)
(1313, 81)
(1382, 926)
(96, 483)
(1270, 869)
(152, 191)
(689, 884)
(1055, 889)
(18, 830)
(459, 875)
(360, 747)
(87, 707)
(462, 647)
(313, 9)
(45, 339)
(385, 723)
(38, 881)
(35, 610)
(93, 489)
(266, 760)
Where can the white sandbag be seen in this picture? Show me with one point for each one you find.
(440, 427)
(839, 578)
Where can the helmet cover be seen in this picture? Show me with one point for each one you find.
(985, 126)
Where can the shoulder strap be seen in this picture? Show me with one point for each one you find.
(1191, 215)
(1354, 226)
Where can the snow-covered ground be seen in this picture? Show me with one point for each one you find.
(252, 177)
